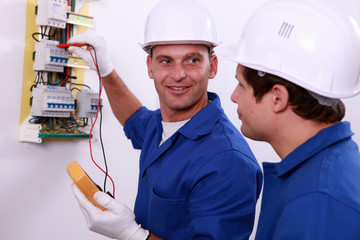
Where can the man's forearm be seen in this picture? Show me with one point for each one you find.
(123, 102)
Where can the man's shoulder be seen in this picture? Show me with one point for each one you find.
(144, 115)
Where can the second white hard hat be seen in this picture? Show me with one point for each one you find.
(179, 22)
(311, 43)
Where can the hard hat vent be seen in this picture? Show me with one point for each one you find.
(285, 30)
(311, 43)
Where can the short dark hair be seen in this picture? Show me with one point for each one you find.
(302, 103)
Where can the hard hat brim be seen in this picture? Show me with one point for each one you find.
(148, 46)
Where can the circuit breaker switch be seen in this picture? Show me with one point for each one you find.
(87, 104)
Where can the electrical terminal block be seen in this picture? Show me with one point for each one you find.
(50, 58)
(53, 13)
(29, 132)
(49, 101)
(87, 104)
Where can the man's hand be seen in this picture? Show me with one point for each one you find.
(117, 222)
(104, 64)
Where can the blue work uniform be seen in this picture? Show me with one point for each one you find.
(314, 192)
(201, 183)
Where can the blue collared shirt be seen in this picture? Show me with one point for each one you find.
(201, 183)
(314, 193)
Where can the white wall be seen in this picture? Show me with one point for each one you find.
(36, 201)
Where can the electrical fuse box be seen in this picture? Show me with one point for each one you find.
(48, 73)
(48, 57)
(53, 13)
(51, 101)
(87, 104)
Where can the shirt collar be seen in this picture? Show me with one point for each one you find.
(314, 145)
(203, 122)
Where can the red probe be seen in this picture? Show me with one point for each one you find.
(71, 45)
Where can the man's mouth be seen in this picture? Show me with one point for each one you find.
(239, 116)
(177, 88)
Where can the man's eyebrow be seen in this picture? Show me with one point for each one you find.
(195, 54)
(162, 57)
(186, 56)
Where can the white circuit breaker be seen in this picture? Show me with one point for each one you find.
(49, 101)
(48, 57)
(53, 13)
(87, 104)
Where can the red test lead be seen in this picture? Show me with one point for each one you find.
(63, 45)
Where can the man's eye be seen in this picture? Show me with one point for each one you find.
(194, 60)
(166, 61)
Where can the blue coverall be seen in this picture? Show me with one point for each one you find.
(201, 183)
(314, 192)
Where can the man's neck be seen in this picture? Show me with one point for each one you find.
(177, 115)
(293, 134)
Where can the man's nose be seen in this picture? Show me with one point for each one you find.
(234, 96)
(179, 72)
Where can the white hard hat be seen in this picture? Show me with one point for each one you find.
(179, 22)
(311, 43)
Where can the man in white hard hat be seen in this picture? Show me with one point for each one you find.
(198, 177)
(296, 59)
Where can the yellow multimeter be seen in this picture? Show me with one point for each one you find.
(83, 182)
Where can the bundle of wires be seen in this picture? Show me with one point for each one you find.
(53, 125)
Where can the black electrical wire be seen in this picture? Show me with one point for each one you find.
(100, 123)
(36, 81)
(75, 88)
(85, 121)
(43, 34)
(80, 84)
(33, 36)
(50, 36)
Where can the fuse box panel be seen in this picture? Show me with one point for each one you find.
(52, 102)
(52, 76)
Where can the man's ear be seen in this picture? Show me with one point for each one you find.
(280, 98)
(213, 66)
(148, 63)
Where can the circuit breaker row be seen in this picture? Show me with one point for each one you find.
(48, 57)
(49, 101)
